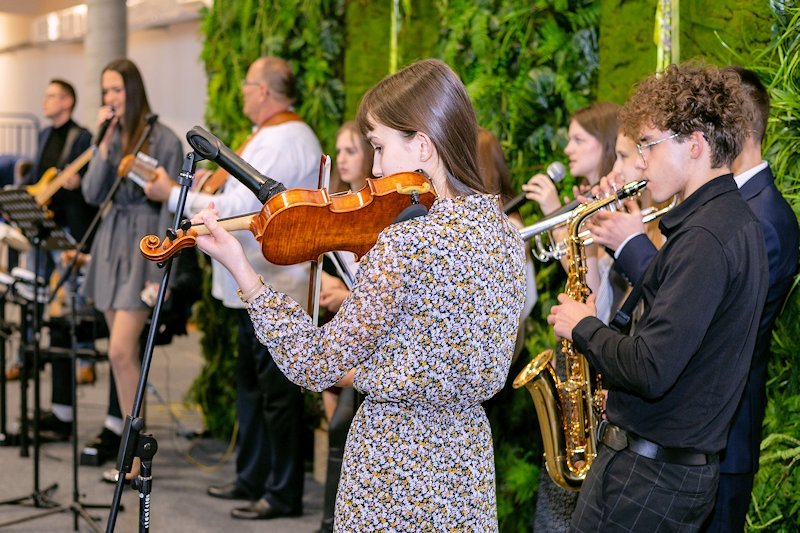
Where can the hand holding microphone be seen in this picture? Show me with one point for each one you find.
(105, 117)
(542, 189)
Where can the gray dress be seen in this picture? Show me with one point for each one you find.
(117, 272)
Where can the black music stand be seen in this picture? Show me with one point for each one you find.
(6, 330)
(44, 234)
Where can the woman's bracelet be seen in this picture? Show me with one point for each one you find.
(246, 297)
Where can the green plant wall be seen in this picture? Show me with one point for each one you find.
(775, 505)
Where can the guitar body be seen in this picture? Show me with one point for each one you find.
(37, 188)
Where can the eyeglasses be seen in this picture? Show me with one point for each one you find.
(640, 147)
(245, 83)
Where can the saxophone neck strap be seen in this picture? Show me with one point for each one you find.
(622, 318)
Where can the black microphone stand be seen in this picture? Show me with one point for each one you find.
(134, 443)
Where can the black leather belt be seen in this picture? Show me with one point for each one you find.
(618, 439)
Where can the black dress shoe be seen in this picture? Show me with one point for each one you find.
(229, 491)
(259, 510)
(103, 447)
(51, 429)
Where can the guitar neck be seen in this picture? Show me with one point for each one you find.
(43, 196)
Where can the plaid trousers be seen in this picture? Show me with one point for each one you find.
(624, 491)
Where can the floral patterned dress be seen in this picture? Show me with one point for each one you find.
(430, 328)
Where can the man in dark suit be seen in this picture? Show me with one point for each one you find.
(739, 462)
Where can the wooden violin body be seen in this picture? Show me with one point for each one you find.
(299, 225)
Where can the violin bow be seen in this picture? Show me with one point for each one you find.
(315, 275)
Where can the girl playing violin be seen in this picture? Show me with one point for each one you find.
(429, 326)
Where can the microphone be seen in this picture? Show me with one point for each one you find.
(103, 129)
(211, 148)
(555, 171)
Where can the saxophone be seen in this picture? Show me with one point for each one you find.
(568, 410)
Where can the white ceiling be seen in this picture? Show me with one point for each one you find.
(35, 7)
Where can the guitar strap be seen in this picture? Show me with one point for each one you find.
(72, 136)
(215, 182)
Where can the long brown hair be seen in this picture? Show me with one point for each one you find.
(492, 164)
(337, 185)
(600, 121)
(427, 96)
(136, 104)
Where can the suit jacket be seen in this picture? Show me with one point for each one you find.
(779, 225)
(69, 208)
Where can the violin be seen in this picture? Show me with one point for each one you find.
(299, 225)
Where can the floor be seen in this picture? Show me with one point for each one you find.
(182, 468)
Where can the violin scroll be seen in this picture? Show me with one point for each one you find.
(153, 249)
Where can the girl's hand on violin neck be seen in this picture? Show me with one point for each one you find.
(223, 246)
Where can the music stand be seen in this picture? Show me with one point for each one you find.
(44, 234)
(5, 332)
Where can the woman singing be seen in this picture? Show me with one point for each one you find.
(429, 326)
(117, 272)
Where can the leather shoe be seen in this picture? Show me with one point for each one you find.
(259, 510)
(102, 448)
(51, 429)
(229, 491)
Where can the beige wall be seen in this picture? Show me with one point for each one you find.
(169, 59)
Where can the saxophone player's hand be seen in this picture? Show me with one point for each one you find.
(566, 315)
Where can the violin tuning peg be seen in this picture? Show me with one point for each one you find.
(171, 235)
(186, 224)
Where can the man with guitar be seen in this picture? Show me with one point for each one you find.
(269, 465)
(62, 143)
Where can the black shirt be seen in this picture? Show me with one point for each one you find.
(51, 152)
(70, 210)
(678, 380)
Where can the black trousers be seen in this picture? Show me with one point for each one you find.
(732, 503)
(624, 491)
(62, 374)
(269, 409)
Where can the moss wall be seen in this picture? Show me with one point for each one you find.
(743, 24)
(627, 50)
(366, 56)
(628, 53)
